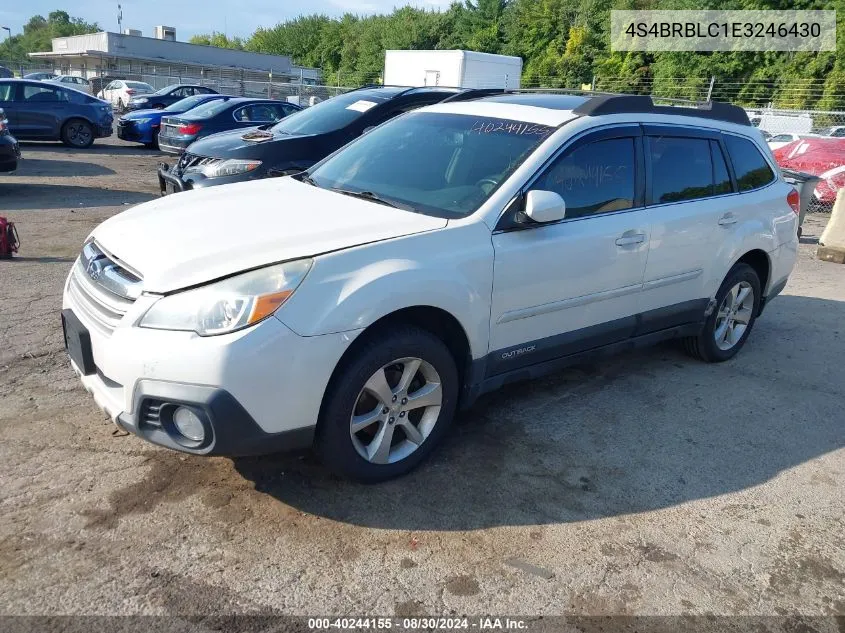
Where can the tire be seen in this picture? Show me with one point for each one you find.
(77, 133)
(718, 340)
(391, 353)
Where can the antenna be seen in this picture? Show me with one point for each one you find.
(119, 19)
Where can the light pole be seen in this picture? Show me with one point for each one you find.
(8, 39)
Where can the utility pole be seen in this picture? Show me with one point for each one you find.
(119, 19)
(8, 39)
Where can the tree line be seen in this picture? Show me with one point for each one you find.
(563, 44)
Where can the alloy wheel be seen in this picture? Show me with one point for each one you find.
(79, 134)
(734, 315)
(396, 410)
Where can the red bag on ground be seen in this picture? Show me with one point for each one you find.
(9, 241)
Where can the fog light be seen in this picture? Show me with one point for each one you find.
(189, 424)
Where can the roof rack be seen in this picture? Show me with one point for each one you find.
(466, 94)
(640, 104)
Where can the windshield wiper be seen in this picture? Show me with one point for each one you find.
(304, 177)
(374, 197)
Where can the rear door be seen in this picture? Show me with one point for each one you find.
(691, 206)
(41, 109)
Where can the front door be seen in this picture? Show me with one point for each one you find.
(567, 287)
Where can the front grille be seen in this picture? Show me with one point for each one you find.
(102, 289)
(192, 160)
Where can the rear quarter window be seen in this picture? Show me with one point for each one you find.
(751, 169)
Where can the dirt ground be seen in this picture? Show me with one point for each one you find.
(647, 484)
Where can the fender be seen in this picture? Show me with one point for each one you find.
(353, 288)
(757, 231)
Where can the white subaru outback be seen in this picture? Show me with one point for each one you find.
(356, 306)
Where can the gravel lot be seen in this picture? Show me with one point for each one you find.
(648, 484)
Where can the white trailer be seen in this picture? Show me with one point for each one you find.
(458, 69)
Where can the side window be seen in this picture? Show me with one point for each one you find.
(594, 178)
(721, 177)
(839, 132)
(6, 92)
(780, 138)
(243, 114)
(751, 169)
(40, 94)
(276, 112)
(681, 168)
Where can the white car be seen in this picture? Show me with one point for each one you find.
(120, 91)
(779, 140)
(454, 249)
(72, 81)
(836, 131)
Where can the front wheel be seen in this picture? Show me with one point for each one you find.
(727, 328)
(77, 133)
(388, 406)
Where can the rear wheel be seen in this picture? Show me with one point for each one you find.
(388, 406)
(77, 133)
(728, 327)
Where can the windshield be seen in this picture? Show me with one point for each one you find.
(183, 105)
(440, 164)
(333, 114)
(210, 108)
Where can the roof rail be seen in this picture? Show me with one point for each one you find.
(640, 104)
(473, 93)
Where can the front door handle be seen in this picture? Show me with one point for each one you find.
(630, 238)
(727, 219)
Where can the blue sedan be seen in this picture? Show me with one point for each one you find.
(142, 126)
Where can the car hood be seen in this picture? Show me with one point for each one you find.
(140, 114)
(233, 144)
(197, 236)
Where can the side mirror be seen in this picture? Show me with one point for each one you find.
(544, 206)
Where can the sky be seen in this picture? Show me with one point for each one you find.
(191, 17)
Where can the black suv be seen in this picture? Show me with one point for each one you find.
(299, 141)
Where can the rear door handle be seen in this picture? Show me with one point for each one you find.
(628, 239)
(727, 219)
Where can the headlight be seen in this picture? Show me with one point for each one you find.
(230, 304)
(229, 167)
(139, 100)
(142, 121)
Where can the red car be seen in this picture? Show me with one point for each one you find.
(823, 157)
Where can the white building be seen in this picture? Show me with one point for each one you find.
(162, 60)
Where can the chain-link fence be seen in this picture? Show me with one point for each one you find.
(790, 128)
